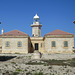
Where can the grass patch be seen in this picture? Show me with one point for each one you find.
(29, 57)
(70, 62)
(13, 62)
(19, 70)
(52, 74)
(40, 73)
(55, 62)
(15, 73)
(6, 65)
(35, 63)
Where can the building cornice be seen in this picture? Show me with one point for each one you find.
(36, 38)
(36, 25)
(59, 36)
(14, 36)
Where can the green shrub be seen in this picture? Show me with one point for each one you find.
(18, 69)
(72, 64)
(29, 57)
(52, 74)
(73, 59)
(15, 73)
(13, 62)
(6, 65)
(40, 73)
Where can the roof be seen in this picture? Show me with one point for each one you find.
(14, 33)
(58, 32)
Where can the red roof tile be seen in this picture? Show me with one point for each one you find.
(15, 33)
(58, 32)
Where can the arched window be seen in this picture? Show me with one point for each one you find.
(53, 44)
(7, 44)
(19, 44)
(65, 43)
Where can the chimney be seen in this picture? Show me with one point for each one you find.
(2, 31)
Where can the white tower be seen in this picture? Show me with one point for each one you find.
(36, 27)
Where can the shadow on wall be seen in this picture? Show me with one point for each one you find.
(5, 58)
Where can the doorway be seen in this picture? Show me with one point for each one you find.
(36, 46)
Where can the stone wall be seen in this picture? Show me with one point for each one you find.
(45, 48)
(38, 40)
(36, 31)
(0, 45)
(13, 48)
(59, 45)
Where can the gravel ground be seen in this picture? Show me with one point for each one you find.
(15, 64)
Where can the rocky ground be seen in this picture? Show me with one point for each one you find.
(49, 64)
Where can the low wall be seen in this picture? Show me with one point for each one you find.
(46, 56)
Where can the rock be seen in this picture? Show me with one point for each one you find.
(36, 55)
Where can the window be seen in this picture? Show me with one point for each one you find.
(53, 44)
(19, 44)
(65, 43)
(7, 44)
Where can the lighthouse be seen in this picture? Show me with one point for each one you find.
(36, 27)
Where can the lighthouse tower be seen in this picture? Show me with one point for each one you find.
(36, 27)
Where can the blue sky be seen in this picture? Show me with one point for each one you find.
(54, 14)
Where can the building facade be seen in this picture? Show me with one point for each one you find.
(57, 41)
